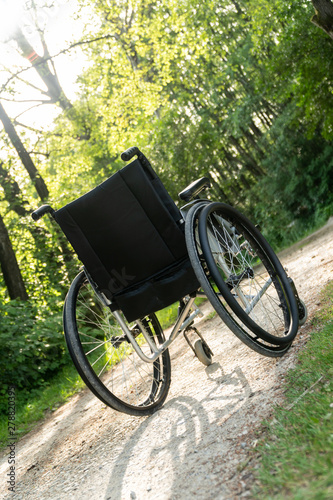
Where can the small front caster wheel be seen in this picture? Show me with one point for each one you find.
(202, 353)
(302, 313)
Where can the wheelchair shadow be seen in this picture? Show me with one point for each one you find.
(176, 445)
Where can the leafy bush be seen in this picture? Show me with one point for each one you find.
(296, 194)
(31, 343)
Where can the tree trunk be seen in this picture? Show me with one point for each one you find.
(12, 192)
(9, 266)
(41, 65)
(29, 165)
(324, 16)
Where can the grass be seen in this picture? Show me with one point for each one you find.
(299, 231)
(167, 317)
(297, 446)
(32, 407)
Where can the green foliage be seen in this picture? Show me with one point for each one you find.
(296, 194)
(167, 317)
(32, 343)
(295, 58)
(297, 448)
(226, 98)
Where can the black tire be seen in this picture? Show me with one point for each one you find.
(248, 274)
(107, 361)
(215, 297)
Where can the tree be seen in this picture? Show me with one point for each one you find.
(27, 162)
(9, 266)
(166, 78)
(323, 17)
(42, 66)
(12, 192)
(295, 63)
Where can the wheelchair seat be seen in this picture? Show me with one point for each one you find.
(129, 235)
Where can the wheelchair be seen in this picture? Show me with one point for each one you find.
(140, 254)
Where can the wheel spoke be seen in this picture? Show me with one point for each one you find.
(107, 361)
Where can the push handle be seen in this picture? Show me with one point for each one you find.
(129, 153)
(44, 209)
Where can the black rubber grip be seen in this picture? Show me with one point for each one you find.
(44, 209)
(129, 153)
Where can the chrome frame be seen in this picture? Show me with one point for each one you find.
(180, 325)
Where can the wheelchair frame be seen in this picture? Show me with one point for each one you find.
(180, 325)
(216, 235)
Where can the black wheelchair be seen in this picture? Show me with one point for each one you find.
(140, 254)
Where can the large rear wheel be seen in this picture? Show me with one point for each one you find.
(216, 297)
(107, 361)
(248, 274)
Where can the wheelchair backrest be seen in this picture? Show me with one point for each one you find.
(128, 234)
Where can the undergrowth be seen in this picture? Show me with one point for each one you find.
(32, 406)
(297, 447)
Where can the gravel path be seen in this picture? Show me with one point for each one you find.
(199, 444)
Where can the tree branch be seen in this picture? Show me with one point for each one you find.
(72, 46)
(39, 153)
(31, 107)
(27, 100)
(26, 82)
(27, 162)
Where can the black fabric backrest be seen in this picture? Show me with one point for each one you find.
(125, 230)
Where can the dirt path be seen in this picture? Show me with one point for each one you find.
(198, 444)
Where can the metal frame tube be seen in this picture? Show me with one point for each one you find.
(178, 327)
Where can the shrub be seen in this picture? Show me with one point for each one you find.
(31, 343)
